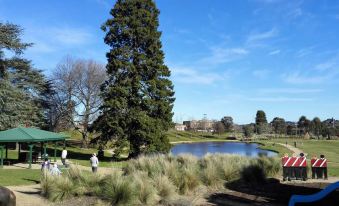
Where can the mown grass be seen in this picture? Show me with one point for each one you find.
(159, 179)
(12, 177)
(329, 148)
(281, 150)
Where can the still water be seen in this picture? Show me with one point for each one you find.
(202, 148)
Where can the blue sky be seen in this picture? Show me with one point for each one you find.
(226, 57)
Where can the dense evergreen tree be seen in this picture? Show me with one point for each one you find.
(316, 126)
(24, 91)
(228, 123)
(138, 95)
(260, 122)
(279, 125)
(304, 125)
(219, 128)
(248, 130)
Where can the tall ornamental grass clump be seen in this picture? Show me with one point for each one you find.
(159, 179)
(118, 189)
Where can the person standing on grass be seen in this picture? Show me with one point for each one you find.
(94, 163)
(64, 156)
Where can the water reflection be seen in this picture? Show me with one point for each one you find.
(202, 148)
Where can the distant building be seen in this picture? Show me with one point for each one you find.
(180, 127)
(200, 125)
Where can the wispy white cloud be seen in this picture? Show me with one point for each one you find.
(221, 55)
(71, 36)
(279, 99)
(331, 64)
(295, 13)
(288, 91)
(274, 52)
(268, 1)
(261, 74)
(305, 51)
(301, 78)
(104, 3)
(325, 71)
(260, 36)
(50, 39)
(194, 76)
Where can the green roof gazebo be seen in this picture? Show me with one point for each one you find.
(28, 135)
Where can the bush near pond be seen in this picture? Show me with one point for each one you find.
(159, 179)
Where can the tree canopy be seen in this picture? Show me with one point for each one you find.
(138, 95)
(24, 90)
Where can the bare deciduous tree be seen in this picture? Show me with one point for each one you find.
(89, 77)
(77, 99)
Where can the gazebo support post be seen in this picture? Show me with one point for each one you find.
(30, 156)
(19, 150)
(45, 152)
(1, 156)
(55, 147)
(6, 151)
(41, 150)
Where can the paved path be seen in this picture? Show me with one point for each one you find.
(28, 195)
(296, 151)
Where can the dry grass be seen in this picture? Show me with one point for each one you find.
(160, 179)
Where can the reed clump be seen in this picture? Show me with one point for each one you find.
(159, 179)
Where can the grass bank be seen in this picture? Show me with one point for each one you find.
(13, 177)
(329, 148)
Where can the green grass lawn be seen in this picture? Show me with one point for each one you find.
(329, 148)
(281, 150)
(19, 177)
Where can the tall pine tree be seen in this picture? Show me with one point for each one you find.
(138, 95)
(23, 90)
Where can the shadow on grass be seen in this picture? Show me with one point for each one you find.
(32, 180)
(272, 192)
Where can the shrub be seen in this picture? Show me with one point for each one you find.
(253, 174)
(166, 189)
(118, 190)
(270, 166)
(91, 183)
(146, 192)
(63, 188)
(75, 174)
(210, 175)
(46, 183)
(189, 180)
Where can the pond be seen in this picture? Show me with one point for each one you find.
(201, 148)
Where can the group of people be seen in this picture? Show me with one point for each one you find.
(296, 167)
(54, 170)
(46, 167)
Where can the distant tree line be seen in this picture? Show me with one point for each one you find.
(279, 127)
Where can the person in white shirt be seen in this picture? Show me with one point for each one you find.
(64, 156)
(94, 163)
